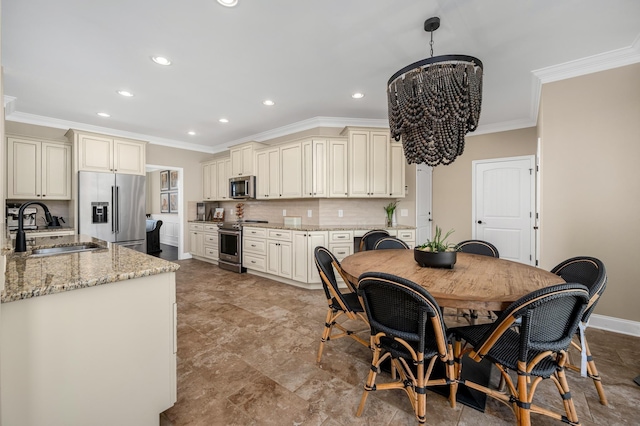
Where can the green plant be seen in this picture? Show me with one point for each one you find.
(438, 243)
(390, 208)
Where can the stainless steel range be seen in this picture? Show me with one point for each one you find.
(230, 244)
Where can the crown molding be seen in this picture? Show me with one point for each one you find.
(39, 120)
(589, 65)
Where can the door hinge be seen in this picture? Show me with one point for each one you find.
(530, 257)
(537, 168)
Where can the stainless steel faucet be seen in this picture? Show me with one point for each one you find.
(21, 241)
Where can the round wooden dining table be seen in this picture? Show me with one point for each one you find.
(475, 282)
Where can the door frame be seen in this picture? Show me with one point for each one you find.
(533, 198)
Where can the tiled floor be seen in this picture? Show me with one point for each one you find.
(246, 356)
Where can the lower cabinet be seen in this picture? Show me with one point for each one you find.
(196, 239)
(304, 265)
(203, 240)
(279, 253)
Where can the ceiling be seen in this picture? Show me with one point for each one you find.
(65, 60)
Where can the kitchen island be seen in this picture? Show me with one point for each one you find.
(87, 337)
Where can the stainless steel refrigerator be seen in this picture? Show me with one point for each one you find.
(112, 207)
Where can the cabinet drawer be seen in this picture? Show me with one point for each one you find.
(196, 227)
(211, 240)
(279, 234)
(211, 227)
(250, 261)
(255, 246)
(254, 232)
(340, 236)
(340, 251)
(211, 253)
(409, 235)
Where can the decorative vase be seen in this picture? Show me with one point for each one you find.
(389, 220)
(443, 259)
(394, 222)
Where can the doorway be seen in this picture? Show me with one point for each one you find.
(172, 230)
(503, 206)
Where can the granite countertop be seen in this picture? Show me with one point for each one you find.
(27, 276)
(273, 225)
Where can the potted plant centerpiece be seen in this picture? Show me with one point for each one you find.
(436, 253)
(390, 209)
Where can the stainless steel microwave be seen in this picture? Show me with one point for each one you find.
(242, 188)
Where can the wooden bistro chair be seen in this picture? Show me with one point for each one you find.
(369, 239)
(535, 350)
(592, 273)
(407, 328)
(482, 248)
(340, 304)
(386, 243)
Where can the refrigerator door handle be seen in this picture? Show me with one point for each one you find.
(117, 209)
(113, 209)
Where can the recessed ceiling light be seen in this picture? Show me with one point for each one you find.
(228, 3)
(357, 95)
(125, 93)
(103, 114)
(268, 102)
(192, 133)
(161, 60)
(223, 120)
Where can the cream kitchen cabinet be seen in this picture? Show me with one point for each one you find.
(368, 162)
(304, 265)
(291, 170)
(209, 181)
(101, 153)
(397, 170)
(196, 239)
(242, 157)
(268, 174)
(279, 253)
(38, 169)
(224, 172)
(210, 242)
(254, 248)
(314, 168)
(338, 168)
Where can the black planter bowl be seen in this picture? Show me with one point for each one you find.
(429, 259)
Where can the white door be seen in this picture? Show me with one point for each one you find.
(423, 203)
(503, 206)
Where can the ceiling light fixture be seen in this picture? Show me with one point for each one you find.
(357, 95)
(228, 3)
(268, 102)
(125, 93)
(223, 120)
(433, 103)
(161, 60)
(191, 133)
(103, 114)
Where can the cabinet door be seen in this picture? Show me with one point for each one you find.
(359, 164)
(273, 257)
(129, 157)
(300, 256)
(291, 171)
(196, 243)
(307, 169)
(338, 161)
(95, 153)
(224, 167)
(206, 181)
(286, 256)
(378, 164)
(242, 161)
(396, 174)
(314, 168)
(273, 174)
(23, 169)
(262, 174)
(314, 239)
(56, 171)
(236, 162)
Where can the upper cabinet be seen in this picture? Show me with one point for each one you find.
(338, 168)
(291, 170)
(38, 169)
(369, 153)
(268, 173)
(242, 157)
(101, 153)
(215, 179)
(315, 154)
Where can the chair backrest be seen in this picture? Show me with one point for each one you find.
(326, 262)
(385, 243)
(400, 308)
(549, 319)
(588, 271)
(480, 247)
(369, 239)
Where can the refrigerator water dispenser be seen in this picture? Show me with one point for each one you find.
(99, 212)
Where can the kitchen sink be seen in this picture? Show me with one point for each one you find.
(65, 249)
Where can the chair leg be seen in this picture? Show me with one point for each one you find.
(371, 379)
(592, 371)
(328, 325)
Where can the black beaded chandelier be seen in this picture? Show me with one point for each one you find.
(433, 103)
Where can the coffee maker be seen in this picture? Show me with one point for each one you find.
(28, 217)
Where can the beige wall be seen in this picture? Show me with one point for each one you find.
(590, 190)
(452, 183)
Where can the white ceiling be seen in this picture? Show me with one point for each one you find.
(64, 60)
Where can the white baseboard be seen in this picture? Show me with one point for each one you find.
(617, 325)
